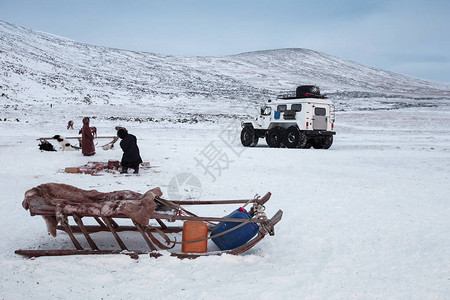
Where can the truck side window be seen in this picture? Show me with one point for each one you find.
(320, 111)
(296, 107)
(282, 107)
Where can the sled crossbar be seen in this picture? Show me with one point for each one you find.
(76, 138)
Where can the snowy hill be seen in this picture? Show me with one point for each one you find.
(42, 68)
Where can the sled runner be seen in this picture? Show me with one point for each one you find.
(149, 214)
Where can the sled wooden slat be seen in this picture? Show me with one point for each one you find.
(96, 228)
(114, 232)
(80, 224)
(261, 201)
(68, 230)
(38, 253)
(212, 219)
(161, 223)
(99, 222)
(113, 223)
(144, 235)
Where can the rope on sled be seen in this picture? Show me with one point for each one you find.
(213, 236)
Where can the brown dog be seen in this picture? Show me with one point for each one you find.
(70, 125)
(94, 131)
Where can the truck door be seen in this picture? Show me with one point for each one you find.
(264, 117)
(320, 118)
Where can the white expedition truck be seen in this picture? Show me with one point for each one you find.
(302, 119)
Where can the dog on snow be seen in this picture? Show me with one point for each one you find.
(65, 145)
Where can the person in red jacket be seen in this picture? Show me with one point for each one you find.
(87, 139)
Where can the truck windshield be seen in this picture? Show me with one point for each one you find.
(266, 110)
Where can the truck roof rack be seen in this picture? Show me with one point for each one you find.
(303, 91)
(293, 96)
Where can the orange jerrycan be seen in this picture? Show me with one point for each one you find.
(194, 230)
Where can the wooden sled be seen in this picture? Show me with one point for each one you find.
(106, 146)
(108, 208)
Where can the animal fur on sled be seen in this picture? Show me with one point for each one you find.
(58, 200)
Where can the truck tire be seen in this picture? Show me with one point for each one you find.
(327, 142)
(274, 137)
(308, 144)
(294, 138)
(249, 137)
(317, 143)
(291, 137)
(302, 140)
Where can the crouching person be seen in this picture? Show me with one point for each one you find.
(131, 157)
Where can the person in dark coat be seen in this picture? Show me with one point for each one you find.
(131, 157)
(87, 139)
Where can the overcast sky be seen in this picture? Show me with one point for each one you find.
(408, 37)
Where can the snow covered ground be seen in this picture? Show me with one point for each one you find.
(366, 219)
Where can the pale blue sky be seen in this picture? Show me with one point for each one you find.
(408, 37)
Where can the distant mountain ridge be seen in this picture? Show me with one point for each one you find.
(39, 67)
